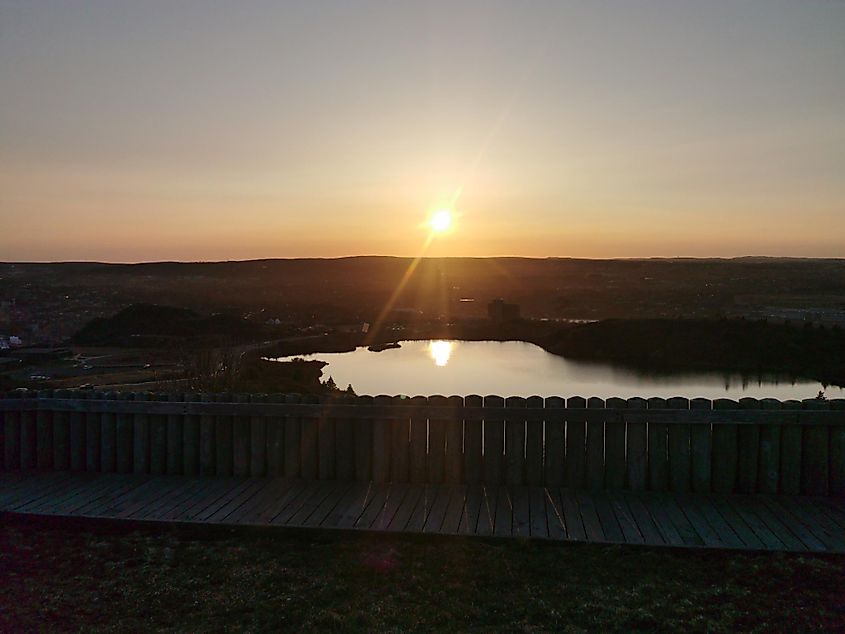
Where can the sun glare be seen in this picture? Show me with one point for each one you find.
(440, 351)
(441, 220)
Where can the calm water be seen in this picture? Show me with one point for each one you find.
(515, 368)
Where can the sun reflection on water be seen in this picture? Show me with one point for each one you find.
(440, 351)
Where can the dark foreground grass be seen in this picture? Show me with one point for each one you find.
(95, 576)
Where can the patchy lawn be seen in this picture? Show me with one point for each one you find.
(110, 577)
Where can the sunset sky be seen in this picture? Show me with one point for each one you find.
(232, 130)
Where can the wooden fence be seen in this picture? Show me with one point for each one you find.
(676, 444)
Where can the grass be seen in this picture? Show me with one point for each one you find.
(96, 576)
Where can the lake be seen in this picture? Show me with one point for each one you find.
(516, 368)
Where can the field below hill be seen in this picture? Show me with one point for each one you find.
(122, 578)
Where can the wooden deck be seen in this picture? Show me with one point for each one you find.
(749, 522)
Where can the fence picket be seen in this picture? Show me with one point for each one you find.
(514, 443)
(28, 457)
(637, 448)
(276, 440)
(418, 442)
(555, 449)
(814, 465)
(724, 449)
(680, 460)
(208, 435)
(175, 440)
(534, 445)
(748, 445)
(108, 437)
(92, 437)
(436, 442)
(364, 443)
(494, 442)
(837, 452)
(472, 443)
(658, 450)
(44, 434)
(614, 447)
(293, 440)
(701, 449)
(595, 447)
(790, 453)
(191, 439)
(223, 437)
(258, 440)
(768, 465)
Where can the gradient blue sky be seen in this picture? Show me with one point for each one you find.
(151, 130)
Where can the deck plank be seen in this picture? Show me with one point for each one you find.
(699, 523)
(455, 510)
(537, 508)
(667, 528)
(758, 522)
(46, 494)
(769, 539)
(176, 496)
(230, 496)
(434, 521)
(336, 494)
(521, 511)
(160, 488)
(374, 507)
(590, 517)
(684, 527)
(212, 498)
(610, 525)
(833, 510)
(773, 522)
(248, 513)
(97, 506)
(303, 496)
(177, 506)
(726, 534)
(420, 513)
(350, 507)
(406, 509)
(502, 524)
(27, 489)
(645, 522)
(54, 500)
(575, 529)
(471, 510)
(823, 528)
(395, 496)
(555, 523)
(237, 501)
(737, 524)
(310, 505)
(486, 523)
(630, 530)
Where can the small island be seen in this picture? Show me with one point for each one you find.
(381, 347)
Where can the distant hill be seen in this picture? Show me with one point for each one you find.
(143, 325)
(358, 289)
(708, 344)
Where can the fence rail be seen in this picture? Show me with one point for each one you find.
(677, 444)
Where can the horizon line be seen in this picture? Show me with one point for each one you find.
(410, 257)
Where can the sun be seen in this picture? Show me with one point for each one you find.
(441, 220)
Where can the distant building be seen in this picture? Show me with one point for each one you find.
(500, 312)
